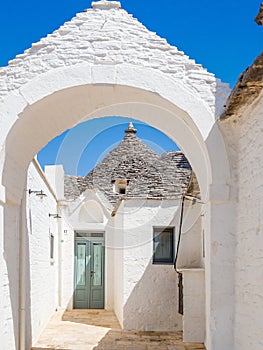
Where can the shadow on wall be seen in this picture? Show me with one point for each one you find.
(11, 256)
(153, 302)
(220, 97)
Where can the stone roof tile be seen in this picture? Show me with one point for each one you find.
(148, 175)
(246, 90)
(259, 18)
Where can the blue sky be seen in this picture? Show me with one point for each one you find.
(221, 35)
(82, 147)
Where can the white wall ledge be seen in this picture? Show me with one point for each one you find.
(192, 269)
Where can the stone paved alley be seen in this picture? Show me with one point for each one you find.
(100, 330)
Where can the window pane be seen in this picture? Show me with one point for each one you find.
(163, 246)
(52, 246)
(97, 268)
(81, 264)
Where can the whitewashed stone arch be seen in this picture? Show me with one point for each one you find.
(60, 99)
(47, 90)
(45, 110)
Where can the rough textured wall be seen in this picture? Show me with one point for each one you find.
(194, 305)
(109, 264)
(246, 90)
(150, 290)
(249, 277)
(191, 245)
(110, 37)
(67, 264)
(9, 267)
(43, 271)
(245, 144)
(118, 267)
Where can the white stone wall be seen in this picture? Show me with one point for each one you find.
(109, 265)
(84, 52)
(9, 267)
(110, 37)
(191, 245)
(245, 143)
(42, 271)
(194, 305)
(118, 267)
(66, 273)
(149, 290)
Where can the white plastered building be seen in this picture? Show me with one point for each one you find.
(109, 240)
(105, 63)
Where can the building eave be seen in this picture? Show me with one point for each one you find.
(247, 89)
(259, 18)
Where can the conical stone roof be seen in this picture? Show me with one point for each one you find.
(147, 174)
(107, 35)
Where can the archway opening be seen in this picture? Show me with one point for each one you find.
(148, 214)
(41, 121)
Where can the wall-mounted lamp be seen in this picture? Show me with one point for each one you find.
(40, 193)
(55, 216)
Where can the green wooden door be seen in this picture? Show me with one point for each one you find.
(89, 274)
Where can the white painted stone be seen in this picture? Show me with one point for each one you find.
(43, 271)
(66, 274)
(77, 39)
(145, 284)
(52, 76)
(9, 111)
(105, 5)
(219, 193)
(244, 135)
(60, 78)
(194, 305)
(2, 194)
(87, 212)
(9, 271)
(55, 176)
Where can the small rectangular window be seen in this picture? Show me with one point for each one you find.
(52, 238)
(120, 186)
(163, 245)
(89, 234)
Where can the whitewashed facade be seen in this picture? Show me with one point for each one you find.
(105, 63)
(143, 295)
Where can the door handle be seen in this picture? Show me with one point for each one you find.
(92, 273)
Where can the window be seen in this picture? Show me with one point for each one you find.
(52, 238)
(122, 190)
(120, 186)
(163, 245)
(89, 234)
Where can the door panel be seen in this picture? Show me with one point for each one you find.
(82, 271)
(89, 274)
(97, 276)
(81, 264)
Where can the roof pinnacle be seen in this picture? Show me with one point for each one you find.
(131, 129)
(106, 5)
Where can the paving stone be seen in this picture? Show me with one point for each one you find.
(100, 330)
